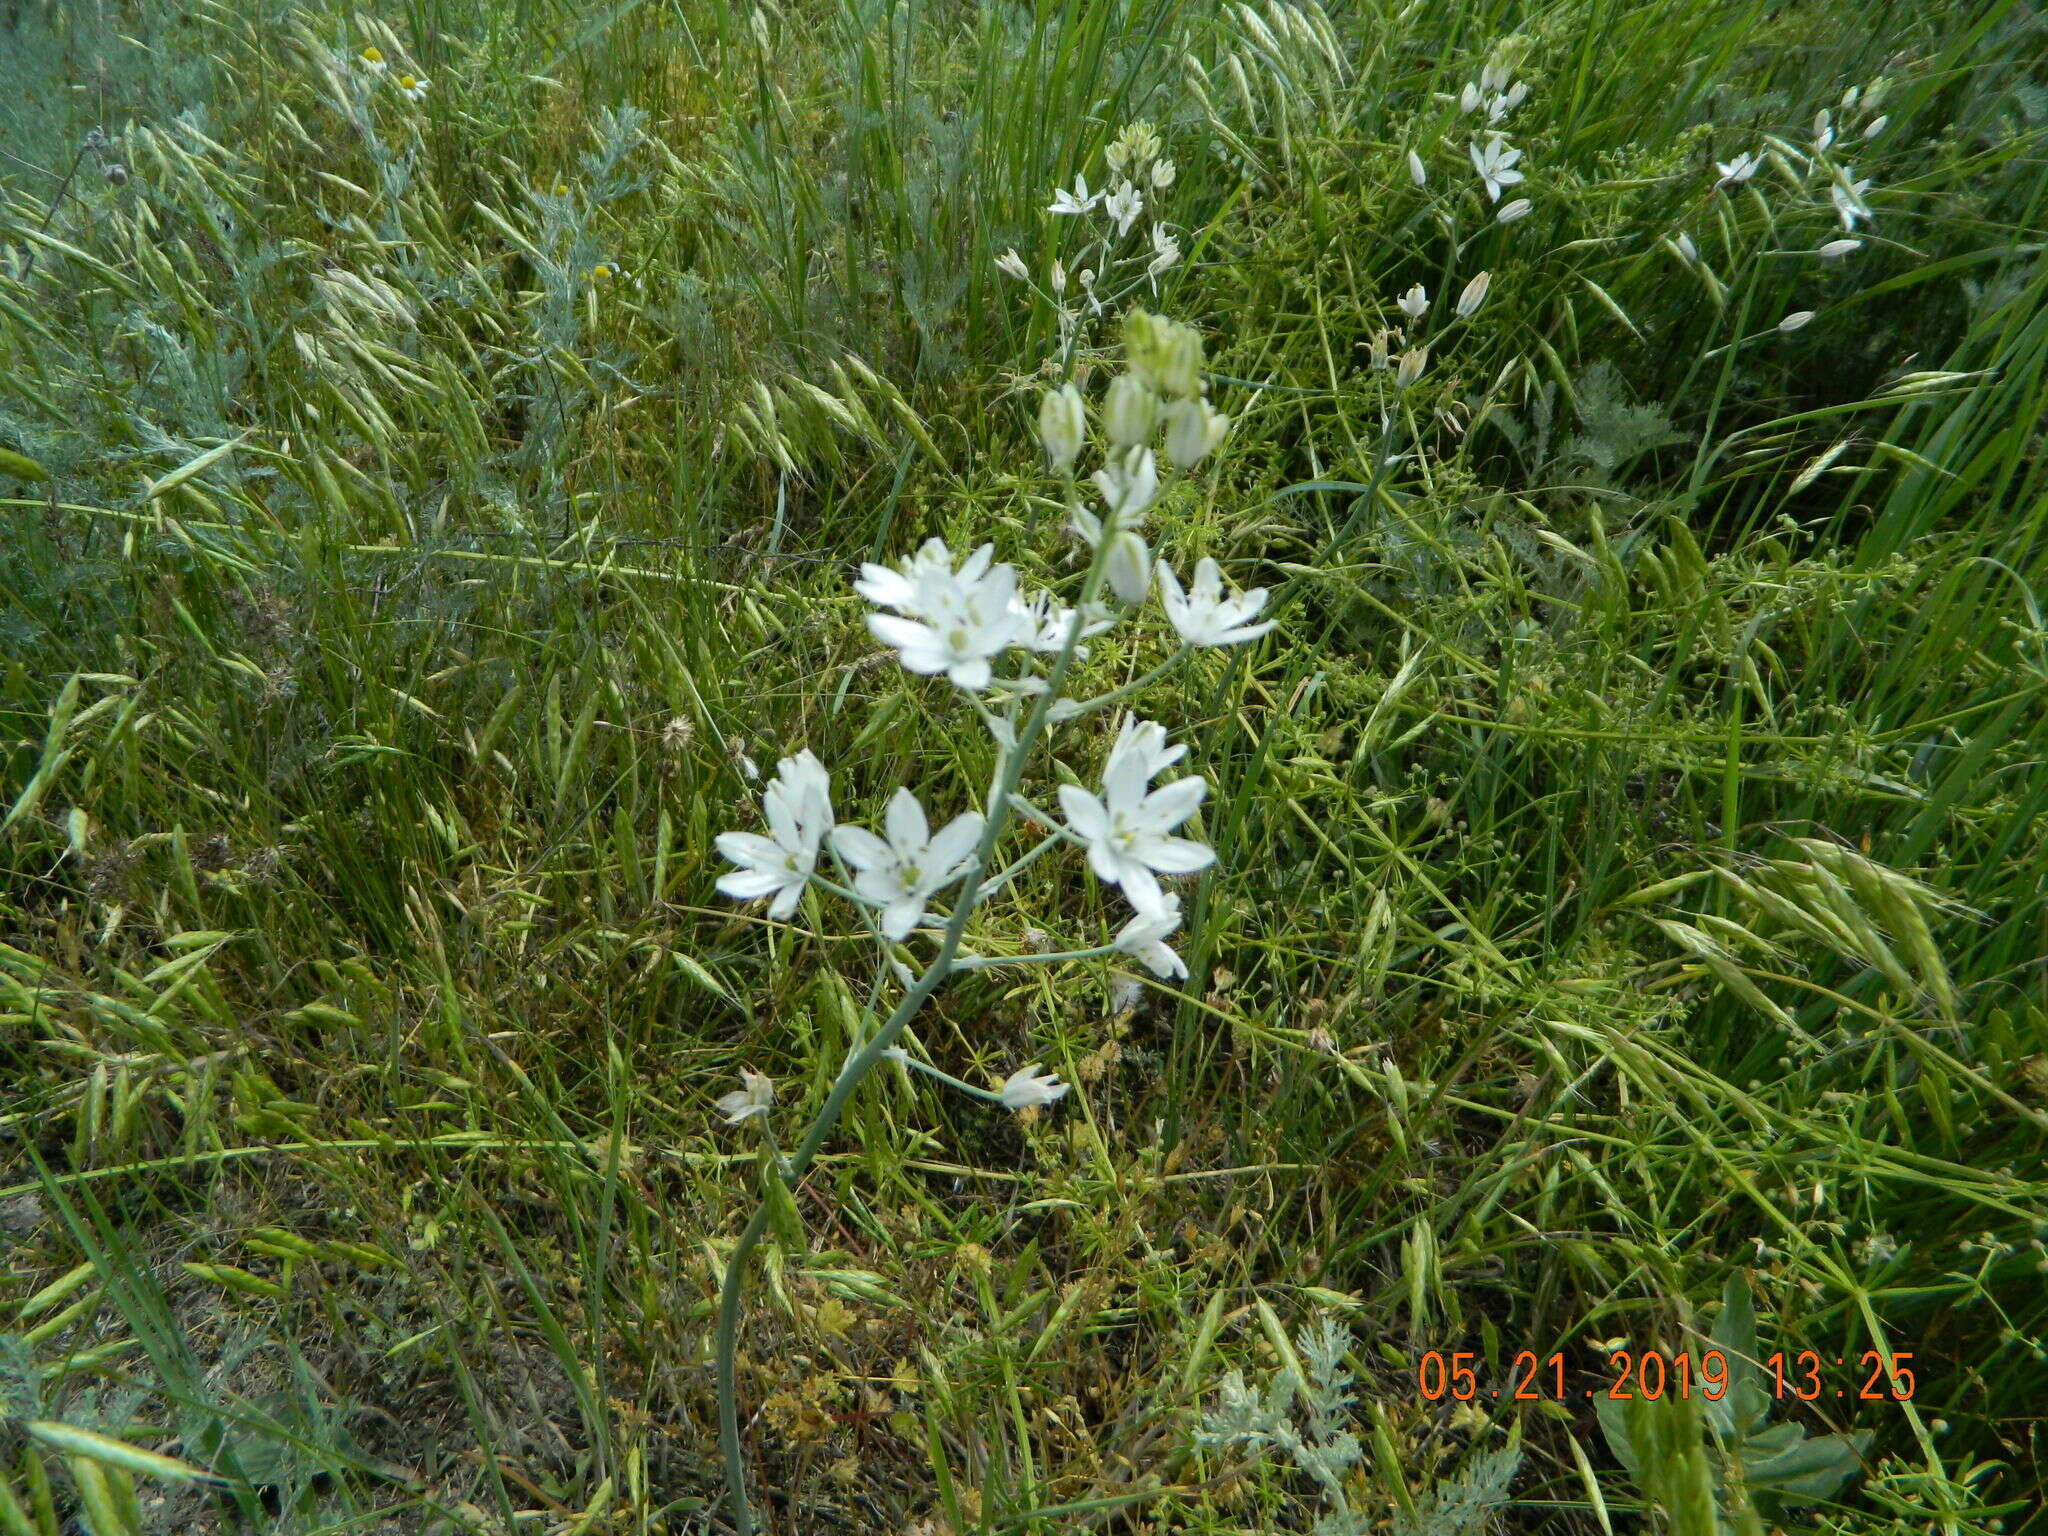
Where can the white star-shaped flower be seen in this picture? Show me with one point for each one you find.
(798, 808)
(1205, 616)
(900, 875)
(754, 1096)
(1739, 170)
(1129, 483)
(1847, 195)
(1127, 830)
(1080, 200)
(1165, 252)
(1495, 162)
(1030, 1086)
(947, 621)
(1144, 937)
(1124, 205)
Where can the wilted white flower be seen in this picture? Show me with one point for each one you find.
(1835, 250)
(1062, 426)
(411, 87)
(1739, 170)
(1128, 829)
(1415, 303)
(1012, 264)
(1417, 172)
(1080, 200)
(1847, 194)
(1474, 295)
(1129, 483)
(749, 769)
(1875, 127)
(1518, 209)
(1193, 431)
(798, 808)
(1058, 278)
(1144, 939)
(1413, 361)
(955, 621)
(900, 875)
(1130, 411)
(1797, 320)
(1495, 162)
(1165, 252)
(754, 1096)
(1123, 206)
(1030, 1086)
(1379, 357)
(1204, 616)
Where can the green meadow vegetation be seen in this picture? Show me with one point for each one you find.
(438, 448)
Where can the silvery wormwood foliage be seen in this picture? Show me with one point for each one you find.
(1305, 1418)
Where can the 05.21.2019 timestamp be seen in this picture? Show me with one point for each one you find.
(1654, 1373)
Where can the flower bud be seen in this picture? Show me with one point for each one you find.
(1130, 411)
(1835, 250)
(1164, 353)
(1413, 361)
(1518, 209)
(1474, 295)
(1468, 99)
(1415, 303)
(1193, 431)
(1129, 568)
(1013, 265)
(1062, 426)
(1797, 320)
(1417, 172)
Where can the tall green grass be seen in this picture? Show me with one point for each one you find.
(1631, 847)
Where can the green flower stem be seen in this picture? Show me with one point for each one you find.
(983, 962)
(1008, 774)
(1116, 695)
(987, 1096)
(1017, 866)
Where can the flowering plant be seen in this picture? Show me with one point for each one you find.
(1008, 654)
